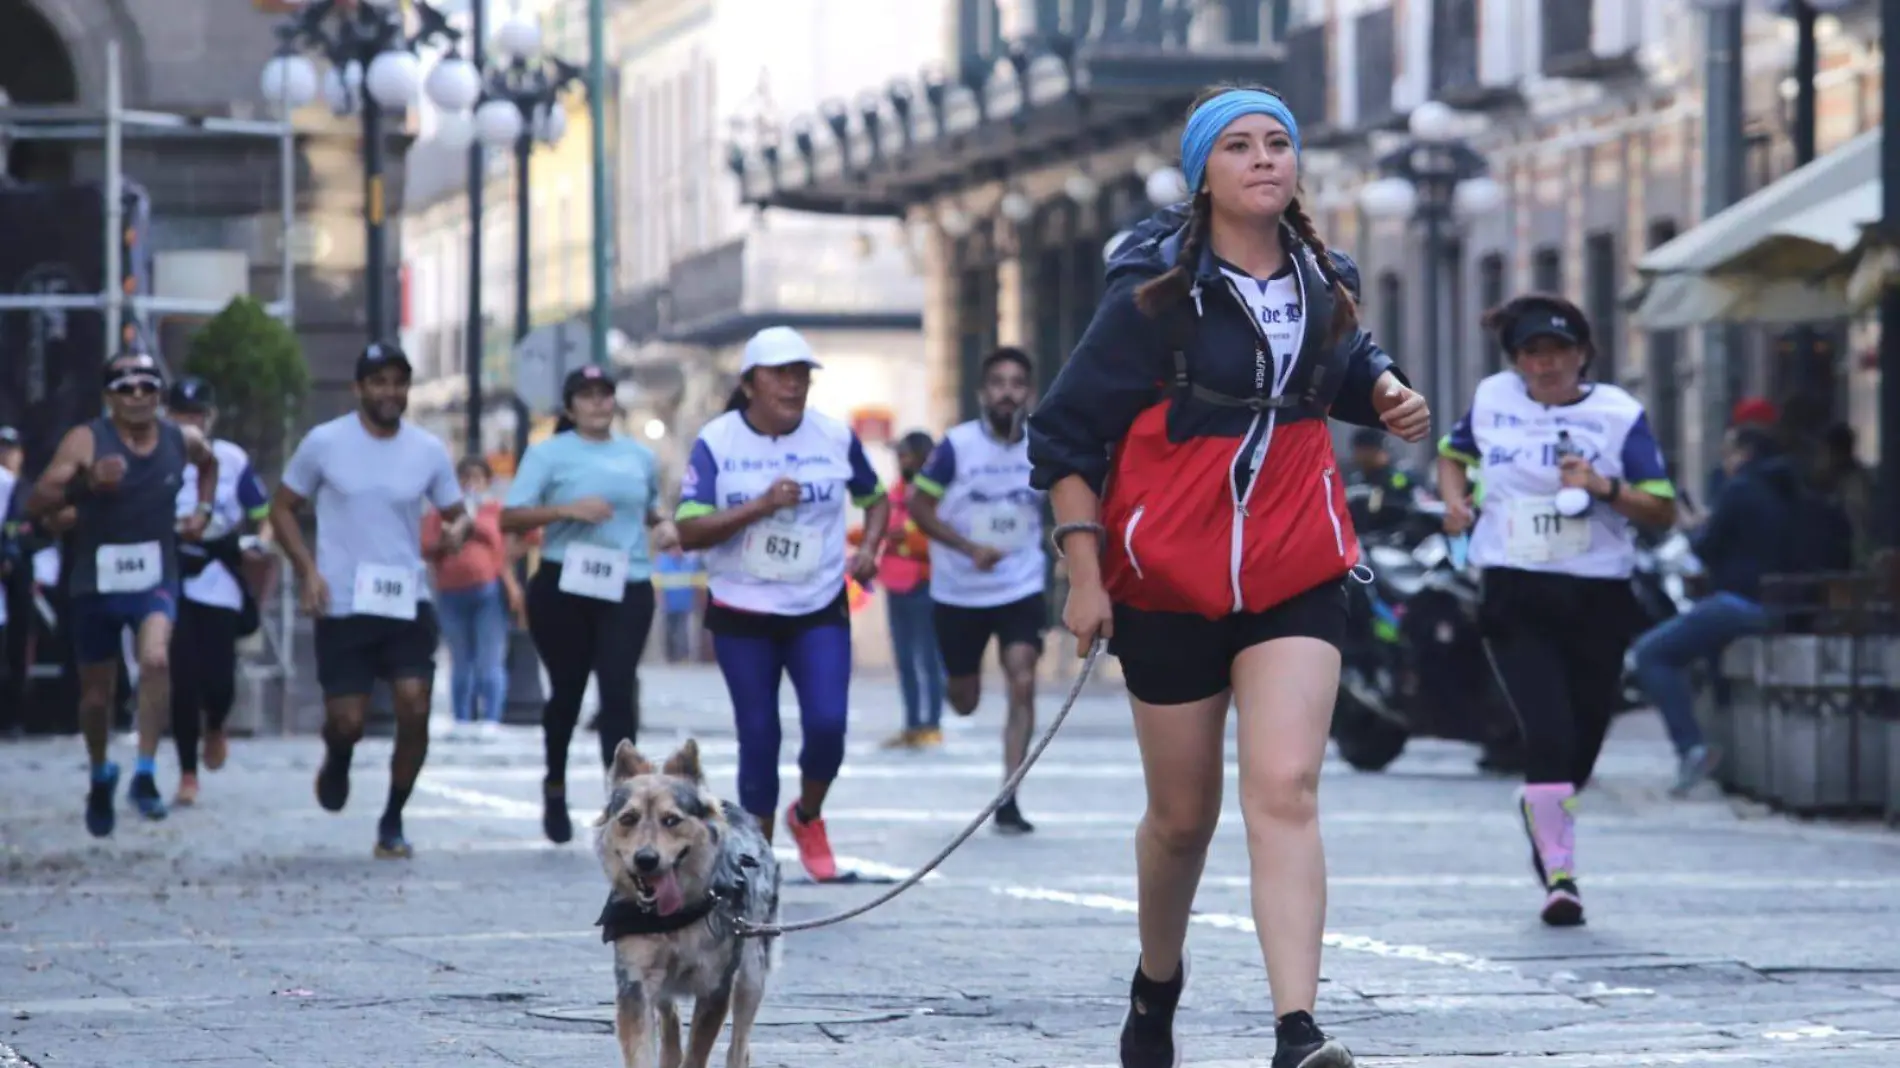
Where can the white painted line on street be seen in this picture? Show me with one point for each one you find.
(1713, 881)
(1230, 922)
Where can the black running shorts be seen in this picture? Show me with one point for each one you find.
(1174, 658)
(963, 633)
(355, 651)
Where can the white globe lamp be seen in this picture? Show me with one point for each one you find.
(498, 123)
(454, 84)
(518, 38)
(394, 78)
(289, 81)
(1016, 206)
(1477, 197)
(1167, 186)
(1081, 188)
(1433, 121)
(1389, 198)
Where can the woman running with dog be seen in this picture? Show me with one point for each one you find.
(590, 603)
(764, 495)
(1569, 467)
(1187, 435)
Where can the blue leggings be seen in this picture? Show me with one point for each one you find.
(819, 661)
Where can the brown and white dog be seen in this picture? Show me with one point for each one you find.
(682, 866)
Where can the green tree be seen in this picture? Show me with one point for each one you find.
(256, 365)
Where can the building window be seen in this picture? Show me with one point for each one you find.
(1664, 376)
(1491, 295)
(1599, 272)
(1391, 313)
(1547, 270)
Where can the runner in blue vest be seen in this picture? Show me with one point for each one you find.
(122, 473)
(766, 494)
(977, 501)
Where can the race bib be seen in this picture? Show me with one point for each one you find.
(1004, 525)
(779, 550)
(130, 568)
(383, 590)
(1536, 533)
(593, 571)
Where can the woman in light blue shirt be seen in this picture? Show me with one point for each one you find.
(590, 604)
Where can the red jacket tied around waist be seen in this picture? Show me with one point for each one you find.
(1220, 490)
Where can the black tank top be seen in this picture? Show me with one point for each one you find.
(136, 523)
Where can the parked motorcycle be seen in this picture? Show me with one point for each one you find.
(1413, 664)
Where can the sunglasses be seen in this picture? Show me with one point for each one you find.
(134, 389)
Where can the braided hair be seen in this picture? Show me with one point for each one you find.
(1174, 285)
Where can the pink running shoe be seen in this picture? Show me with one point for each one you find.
(814, 845)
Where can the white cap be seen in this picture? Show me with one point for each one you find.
(777, 346)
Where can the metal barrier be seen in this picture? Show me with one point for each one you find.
(1811, 724)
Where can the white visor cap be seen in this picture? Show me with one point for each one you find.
(777, 346)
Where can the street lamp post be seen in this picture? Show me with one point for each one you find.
(521, 104)
(373, 68)
(1435, 178)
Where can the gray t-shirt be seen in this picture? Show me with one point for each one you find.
(369, 494)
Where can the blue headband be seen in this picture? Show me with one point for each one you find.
(1208, 120)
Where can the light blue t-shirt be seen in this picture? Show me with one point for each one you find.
(566, 468)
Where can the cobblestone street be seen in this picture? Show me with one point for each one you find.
(257, 930)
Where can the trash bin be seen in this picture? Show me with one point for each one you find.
(1825, 692)
(1745, 770)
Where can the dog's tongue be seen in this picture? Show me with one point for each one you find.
(667, 898)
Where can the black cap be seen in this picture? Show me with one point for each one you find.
(378, 355)
(191, 394)
(134, 367)
(9, 438)
(582, 377)
(1543, 320)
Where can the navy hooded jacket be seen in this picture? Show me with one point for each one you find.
(1220, 494)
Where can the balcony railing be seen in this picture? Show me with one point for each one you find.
(1375, 47)
(1304, 78)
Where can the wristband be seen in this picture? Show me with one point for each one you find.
(1616, 488)
(1064, 530)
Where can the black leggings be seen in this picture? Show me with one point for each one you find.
(578, 636)
(204, 675)
(1557, 644)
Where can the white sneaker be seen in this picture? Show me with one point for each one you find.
(489, 731)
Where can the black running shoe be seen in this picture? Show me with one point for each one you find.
(1299, 1043)
(1009, 819)
(145, 796)
(100, 817)
(333, 780)
(555, 821)
(1148, 1038)
(1563, 904)
(390, 844)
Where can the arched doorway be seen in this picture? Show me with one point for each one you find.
(35, 68)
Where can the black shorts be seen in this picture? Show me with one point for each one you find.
(963, 633)
(355, 651)
(1173, 658)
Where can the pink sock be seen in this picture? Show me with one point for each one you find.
(1552, 807)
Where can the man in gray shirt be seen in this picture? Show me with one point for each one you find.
(370, 475)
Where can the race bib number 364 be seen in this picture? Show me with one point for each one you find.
(130, 568)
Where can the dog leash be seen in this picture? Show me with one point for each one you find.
(747, 930)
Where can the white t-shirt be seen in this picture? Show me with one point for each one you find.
(1514, 440)
(1279, 314)
(792, 562)
(983, 492)
(369, 494)
(240, 495)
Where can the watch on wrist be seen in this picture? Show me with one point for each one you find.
(204, 509)
(1615, 490)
